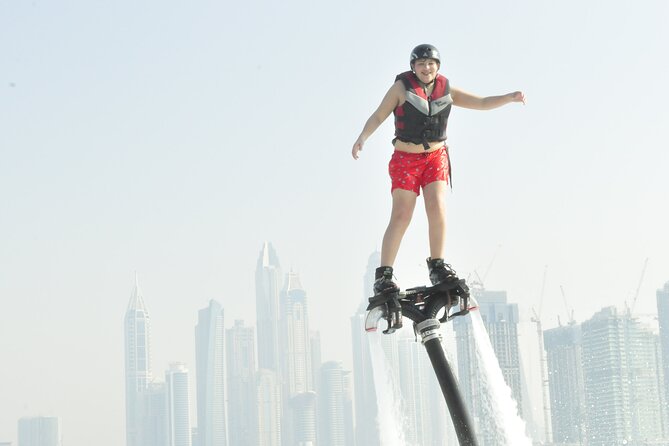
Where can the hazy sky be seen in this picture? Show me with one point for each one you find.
(172, 138)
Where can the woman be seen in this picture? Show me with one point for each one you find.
(421, 101)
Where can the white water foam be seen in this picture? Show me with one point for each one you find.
(509, 427)
(389, 413)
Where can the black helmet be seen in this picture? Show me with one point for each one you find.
(424, 51)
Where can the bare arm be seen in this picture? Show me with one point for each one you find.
(388, 104)
(468, 100)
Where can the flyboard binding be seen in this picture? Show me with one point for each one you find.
(418, 304)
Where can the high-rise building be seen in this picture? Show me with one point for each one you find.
(366, 428)
(620, 372)
(422, 398)
(316, 361)
(137, 366)
(663, 319)
(39, 431)
(295, 345)
(335, 406)
(154, 422)
(300, 419)
(296, 374)
(501, 321)
(178, 405)
(269, 408)
(414, 388)
(268, 287)
(210, 376)
(565, 381)
(243, 414)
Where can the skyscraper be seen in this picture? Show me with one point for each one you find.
(663, 319)
(154, 423)
(137, 366)
(427, 422)
(268, 286)
(210, 373)
(501, 322)
(316, 361)
(565, 381)
(335, 406)
(301, 419)
(178, 405)
(296, 374)
(269, 408)
(295, 345)
(620, 372)
(366, 429)
(39, 431)
(243, 414)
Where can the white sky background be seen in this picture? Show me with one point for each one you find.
(173, 138)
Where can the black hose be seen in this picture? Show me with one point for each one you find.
(449, 387)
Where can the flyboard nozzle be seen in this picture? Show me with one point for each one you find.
(384, 307)
(373, 317)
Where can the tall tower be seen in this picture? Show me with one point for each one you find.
(154, 423)
(243, 416)
(178, 405)
(335, 406)
(295, 339)
(620, 372)
(269, 408)
(565, 380)
(296, 375)
(366, 429)
(422, 399)
(268, 286)
(663, 318)
(137, 365)
(210, 360)
(39, 431)
(501, 322)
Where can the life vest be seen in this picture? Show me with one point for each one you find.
(422, 119)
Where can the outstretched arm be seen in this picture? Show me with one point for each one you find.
(468, 100)
(388, 104)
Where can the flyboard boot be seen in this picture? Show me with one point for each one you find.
(443, 276)
(386, 298)
(440, 272)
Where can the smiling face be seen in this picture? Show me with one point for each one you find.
(426, 70)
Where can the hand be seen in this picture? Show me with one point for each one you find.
(517, 96)
(357, 148)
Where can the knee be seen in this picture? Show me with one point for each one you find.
(401, 216)
(436, 212)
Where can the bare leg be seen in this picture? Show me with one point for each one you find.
(435, 207)
(404, 202)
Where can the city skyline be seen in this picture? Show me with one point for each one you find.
(137, 326)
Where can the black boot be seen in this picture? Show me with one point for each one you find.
(440, 272)
(386, 293)
(384, 281)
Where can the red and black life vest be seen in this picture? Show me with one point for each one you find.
(422, 119)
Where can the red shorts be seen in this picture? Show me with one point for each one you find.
(411, 171)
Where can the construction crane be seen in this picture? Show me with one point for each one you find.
(570, 313)
(638, 287)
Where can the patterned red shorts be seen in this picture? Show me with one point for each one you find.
(411, 171)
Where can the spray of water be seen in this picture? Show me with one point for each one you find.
(509, 427)
(390, 420)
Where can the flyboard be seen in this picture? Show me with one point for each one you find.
(422, 305)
